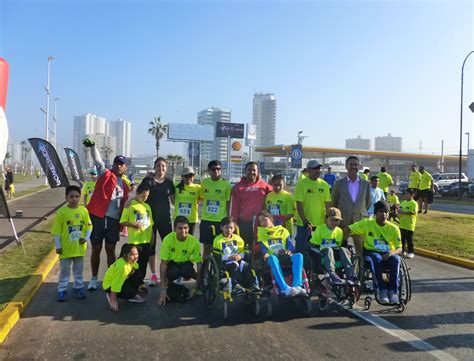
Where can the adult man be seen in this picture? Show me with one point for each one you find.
(385, 180)
(426, 186)
(414, 179)
(376, 194)
(105, 208)
(312, 198)
(330, 177)
(351, 195)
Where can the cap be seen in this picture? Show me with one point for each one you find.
(313, 163)
(120, 159)
(187, 170)
(381, 205)
(334, 213)
(93, 171)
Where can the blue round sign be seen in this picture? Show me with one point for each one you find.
(296, 154)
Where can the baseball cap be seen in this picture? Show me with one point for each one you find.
(187, 170)
(93, 171)
(334, 213)
(313, 163)
(381, 205)
(120, 159)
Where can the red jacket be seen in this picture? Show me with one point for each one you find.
(102, 195)
(248, 199)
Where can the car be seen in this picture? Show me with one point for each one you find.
(445, 179)
(452, 190)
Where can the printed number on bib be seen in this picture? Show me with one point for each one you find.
(328, 243)
(381, 245)
(274, 209)
(229, 249)
(184, 209)
(75, 233)
(212, 207)
(275, 246)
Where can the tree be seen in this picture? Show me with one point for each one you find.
(107, 150)
(174, 160)
(157, 130)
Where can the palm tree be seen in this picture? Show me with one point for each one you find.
(157, 130)
(174, 160)
(107, 150)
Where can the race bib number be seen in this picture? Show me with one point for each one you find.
(328, 243)
(274, 209)
(212, 207)
(381, 245)
(75, 233)
(230, 249)
(184, 209)
(275, 246)
(143, 220)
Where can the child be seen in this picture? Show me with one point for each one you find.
(392, 199)
(71, 230)
(276, 244)
(138, 219)
(280, 203)
(231, 248)
(121, 279)
(89, 186)
(408, 213)
(328, 239)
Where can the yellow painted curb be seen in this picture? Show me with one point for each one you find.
(11, 313)
(461, 262)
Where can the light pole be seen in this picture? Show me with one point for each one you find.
(50, 59)
(55, 122)
(460, 124)
(468, 135)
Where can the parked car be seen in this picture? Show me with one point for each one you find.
(452, 190)
(445, 179)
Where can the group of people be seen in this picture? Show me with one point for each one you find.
(260, 211)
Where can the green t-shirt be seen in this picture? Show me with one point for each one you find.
(215, 195)
(138, 212)
(313, 194)
(408, 221)
(274, 239)
(363, 176)
(425, 180)
(377, 238)
(88, 189)
(393, 199)
(186, 202)
(327, 238)
(71, 224)
(180, 251)
(117, 273)
(281, 204)
(414, 180)
(385, 181)
(229, 246)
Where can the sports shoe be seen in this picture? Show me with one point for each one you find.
(383, 296)
(410, 255)
(153, 281)
(290, 292)
(137, 299)
(335, 279)
(393, 297)
(79, 293)
(404, 253)
(301, 291)
(93, 284)
(61, 296)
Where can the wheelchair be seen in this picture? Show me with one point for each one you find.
(321, 284)
(370, 285)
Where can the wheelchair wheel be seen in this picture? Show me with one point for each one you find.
(226, 310)
(211, 282)
(404, 283)
(367, 303)
(322, 303)
(308, 266)
(308, 306)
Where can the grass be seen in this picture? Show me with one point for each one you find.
(29, 191)
(20, 178)
(447, 233)
(16, 267)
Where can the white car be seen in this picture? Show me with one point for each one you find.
(445, 179)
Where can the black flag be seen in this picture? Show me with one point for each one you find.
(4, 211)
(50, 162)
(74, 164)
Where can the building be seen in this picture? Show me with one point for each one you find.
(264, 116)
(358, 143)
(85, 126)
(388, 143)
(122, 131)
(218, 149)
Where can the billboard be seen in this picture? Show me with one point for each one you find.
(233, 130)
(179, 132)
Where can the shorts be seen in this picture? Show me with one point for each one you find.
(423, 193)
(104, 228)
(164, 228)
(206, 234)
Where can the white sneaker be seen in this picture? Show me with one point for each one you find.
(410, 255)
(93, 284)
(393, 297)
(290, 291)
(137, 299)
(383, 296)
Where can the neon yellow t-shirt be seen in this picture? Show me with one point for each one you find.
(186, 202)
(215, 195)
(274, 239)
(71, 224)
(314, 194)
(88, 189)
(180, 251)
(425, 180)
(229, 246)
(138, 212)
(377, 238)
(414, 180)
(393, 199)
(363, 176)
(327, 238)
(117, 274)
(408, 221)
(281, 204)
(385, 181)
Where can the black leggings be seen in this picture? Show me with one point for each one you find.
(244, 278)
(143, 256)
(175, 270)
(129, 287)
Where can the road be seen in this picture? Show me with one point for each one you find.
(453, 208)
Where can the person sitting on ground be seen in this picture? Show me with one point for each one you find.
(121, 279)
(408, 214)
(328, 238)
(179, 251)
(277, 248)
(231, 248)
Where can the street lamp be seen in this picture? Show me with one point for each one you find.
(460, 124)
(50, 59)
(55, 121)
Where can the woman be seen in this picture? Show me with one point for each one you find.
(187, 197)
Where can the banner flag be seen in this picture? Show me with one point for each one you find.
(74, 165)
(3, 105)
(50, 162)
(296, 156)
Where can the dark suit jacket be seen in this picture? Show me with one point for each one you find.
(341, 198)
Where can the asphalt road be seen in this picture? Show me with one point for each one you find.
(453, 208)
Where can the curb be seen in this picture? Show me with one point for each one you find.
(456, 261)
(11, 313)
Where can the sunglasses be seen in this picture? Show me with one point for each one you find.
(215, 169)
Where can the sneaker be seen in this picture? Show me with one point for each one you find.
(335, 279)
(137, 299)
(93, 284)
(153, 281)
(143, 288)
(410, 255)
(61, 296)
(290, 292)
(393, 297)
(404, 254)
(383, 296)
(79, 293)
(301, 291)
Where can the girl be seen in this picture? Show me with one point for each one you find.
(186, 198)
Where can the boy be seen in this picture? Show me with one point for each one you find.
(408, 213)
(231, 248)
(71, 230)
(89, 186)
(280, 203)
(328, 238)
(138, 219)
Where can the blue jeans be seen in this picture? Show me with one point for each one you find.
(378, 265)
(65, 272)
(301, 239)
(296, 268)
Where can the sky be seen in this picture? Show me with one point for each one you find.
(338, 69)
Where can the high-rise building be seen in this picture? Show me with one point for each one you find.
(388, 143)
(358, 143)
(264, 116)
(122, 131)
(218, 149)
(84, 127)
